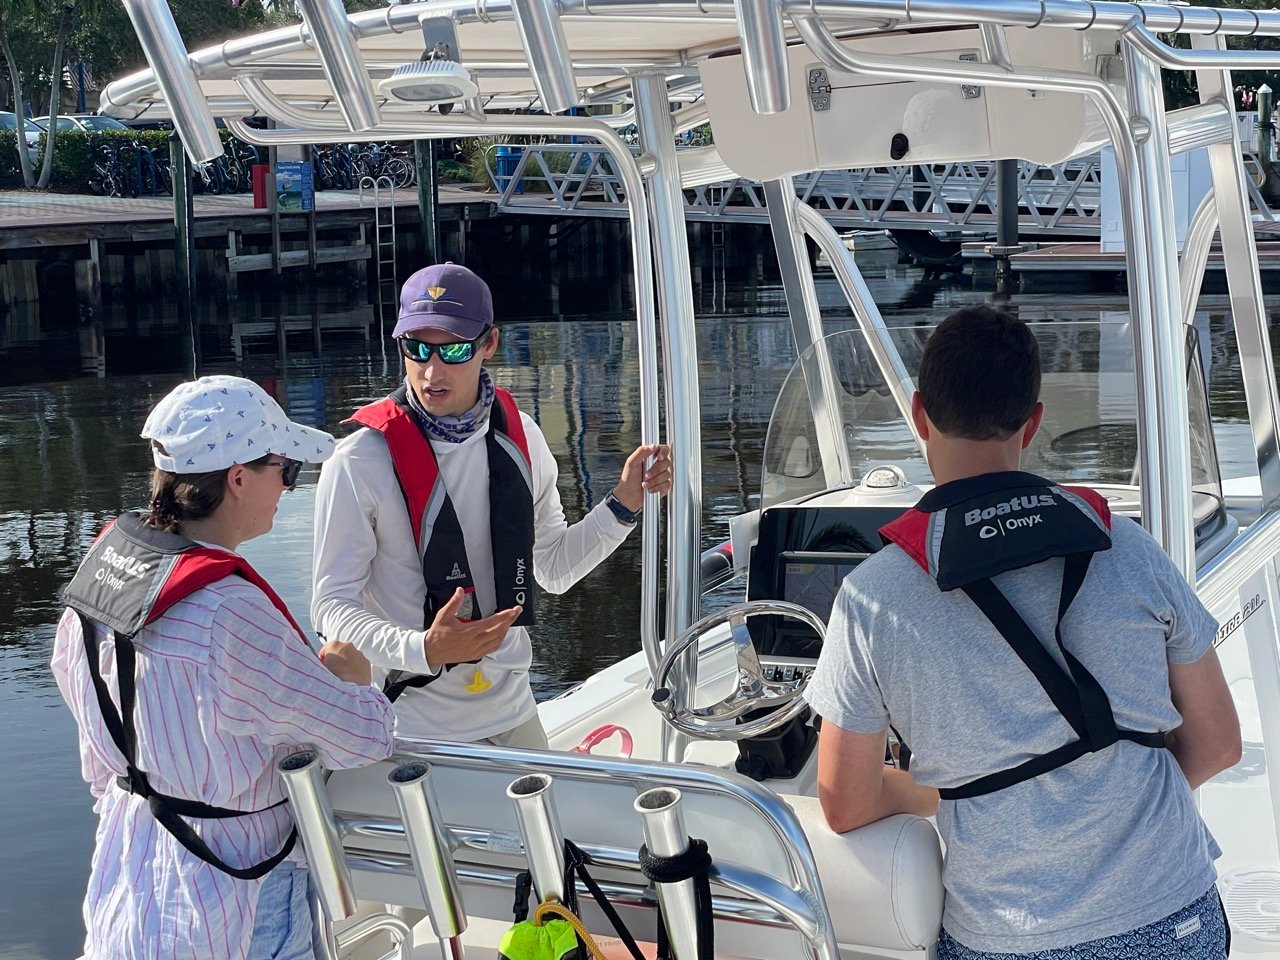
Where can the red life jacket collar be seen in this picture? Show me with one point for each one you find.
(134, 573)
(415, 462)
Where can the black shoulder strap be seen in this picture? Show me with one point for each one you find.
(167, 810)
(1075, 692)
(1057, 684)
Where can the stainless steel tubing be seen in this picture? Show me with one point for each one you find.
(802, 868)
(1249, 314)
(1163, 429)
(1195, 254)
(1156, 495)
(162, 44)
(1171, 58)
(680, 367)
(401, 935)
(994, 46)
(764, 54)
(1200, 126)
(335, 42)
(540, 830)
(1070, 14)
(319, 833)
(863, 304)
(428, 840)
(821, 383)
(550, 64)
(265, 100)
(642, 265)
(665, 836)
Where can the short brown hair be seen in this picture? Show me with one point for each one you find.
(980, 374)
(180, 497)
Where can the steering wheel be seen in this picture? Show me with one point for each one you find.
(764, 683)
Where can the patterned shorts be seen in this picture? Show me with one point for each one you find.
(1196, 932)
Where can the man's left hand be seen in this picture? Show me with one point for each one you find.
(637, 479)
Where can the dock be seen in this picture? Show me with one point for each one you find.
(1079, 265)
(32, 219)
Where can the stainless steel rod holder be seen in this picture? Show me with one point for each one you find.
(319, 833)
(665, 836)
(428, 841)
(541, 833)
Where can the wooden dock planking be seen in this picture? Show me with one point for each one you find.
(30, 220)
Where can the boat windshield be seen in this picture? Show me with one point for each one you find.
(1089, 433)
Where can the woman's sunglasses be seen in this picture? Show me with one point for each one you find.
(289, 470)
(451, 353)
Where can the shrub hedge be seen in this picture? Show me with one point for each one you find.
(74, 152)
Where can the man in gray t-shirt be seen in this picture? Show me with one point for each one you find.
(1105, 850)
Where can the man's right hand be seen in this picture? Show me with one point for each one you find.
(450, 640)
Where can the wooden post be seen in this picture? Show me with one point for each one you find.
(93, 359)
(424, 160)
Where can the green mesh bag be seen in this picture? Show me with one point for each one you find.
(550, 939)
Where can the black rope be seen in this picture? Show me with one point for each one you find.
(694, 864)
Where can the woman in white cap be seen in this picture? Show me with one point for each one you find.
(189, 680)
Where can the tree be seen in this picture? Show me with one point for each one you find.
(36, 37)
(8, 25)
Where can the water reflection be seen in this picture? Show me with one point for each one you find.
(70, 458)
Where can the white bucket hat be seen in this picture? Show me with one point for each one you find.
(216, 422)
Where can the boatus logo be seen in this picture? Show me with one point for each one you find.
(1005, 508)
(126, 566)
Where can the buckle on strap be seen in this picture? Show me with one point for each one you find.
(135, 782)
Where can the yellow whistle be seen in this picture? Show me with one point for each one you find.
(478, 684)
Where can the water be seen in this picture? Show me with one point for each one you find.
(70, 458)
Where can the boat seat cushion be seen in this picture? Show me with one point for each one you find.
(882, 882)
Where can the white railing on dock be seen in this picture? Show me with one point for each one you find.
(1063, 200)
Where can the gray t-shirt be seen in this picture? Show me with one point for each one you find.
(1099, 847)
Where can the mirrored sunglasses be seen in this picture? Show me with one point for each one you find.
(459, 352)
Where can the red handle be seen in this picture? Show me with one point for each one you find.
(603, 733)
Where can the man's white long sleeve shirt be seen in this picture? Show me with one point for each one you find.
(369, 588)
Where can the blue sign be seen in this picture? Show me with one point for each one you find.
(294, 189)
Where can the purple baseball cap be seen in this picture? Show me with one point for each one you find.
(445, 296)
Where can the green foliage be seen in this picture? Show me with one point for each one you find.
(10, 174)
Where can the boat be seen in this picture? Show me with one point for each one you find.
(694, 735)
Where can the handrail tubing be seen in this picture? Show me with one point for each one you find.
(1152, 18)
(1165, 490)
(749, 908)
(801, 864)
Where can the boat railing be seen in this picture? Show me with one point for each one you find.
(362, 844)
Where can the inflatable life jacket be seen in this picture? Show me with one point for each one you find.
(131, 576)
(436, 530)
(964, 533)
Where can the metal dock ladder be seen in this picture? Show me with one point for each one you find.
(383, 191)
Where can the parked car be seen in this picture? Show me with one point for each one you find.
(31, 131)
(88, 122)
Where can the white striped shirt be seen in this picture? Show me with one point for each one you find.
(225, 689)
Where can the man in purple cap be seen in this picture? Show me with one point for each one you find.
(434, 521)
